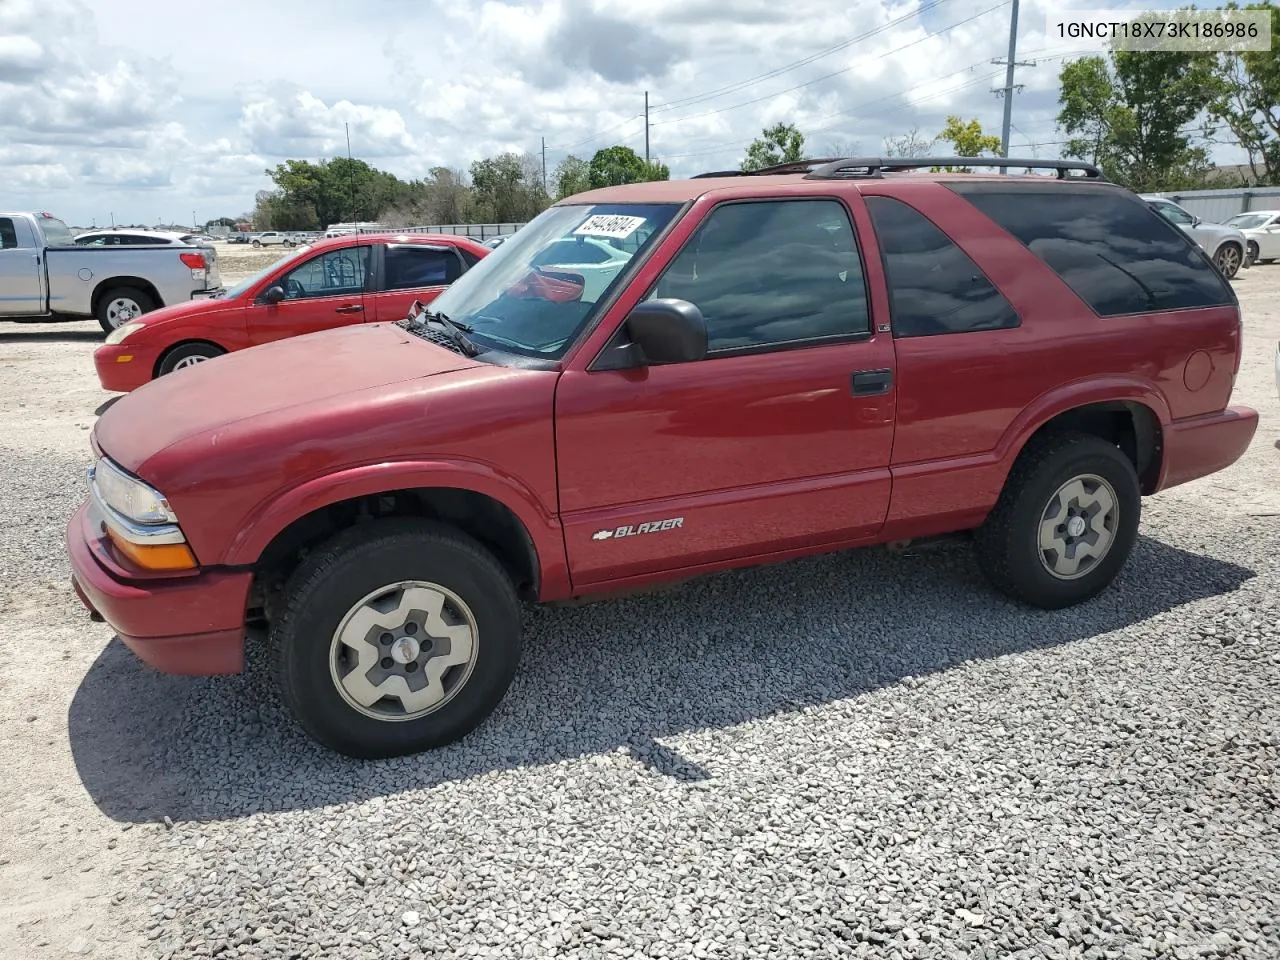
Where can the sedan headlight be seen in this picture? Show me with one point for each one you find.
(121, 332)
(130, 497)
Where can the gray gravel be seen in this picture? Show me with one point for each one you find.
(856, 755)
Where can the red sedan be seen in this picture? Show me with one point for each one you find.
(331, 283)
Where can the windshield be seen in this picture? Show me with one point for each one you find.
(244, 285)
(1247, 221)
(540, 288)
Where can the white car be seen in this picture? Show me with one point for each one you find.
(1261, 229)
(273, 238)
(1225, 245)
(595, 260)
(134, 238)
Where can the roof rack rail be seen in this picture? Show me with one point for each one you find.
(791, 166)
(857, 168)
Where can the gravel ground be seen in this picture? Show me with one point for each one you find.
(867, 754)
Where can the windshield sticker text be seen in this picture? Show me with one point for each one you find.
(609, 225)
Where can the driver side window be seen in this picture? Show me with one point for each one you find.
(1173, 214)
(334, 274)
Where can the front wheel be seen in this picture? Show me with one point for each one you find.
(1228, 260)
(187, 355)
(1065, 522)
(257, 243)
(1253, 252)
(398, 636)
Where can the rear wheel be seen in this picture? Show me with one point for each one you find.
(1253, 252)
(1065, 522)
(400, 635)
(1228, 259)
(122, 304)
(187, 355)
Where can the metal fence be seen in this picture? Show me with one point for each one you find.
(1219, 206)
(476, 231)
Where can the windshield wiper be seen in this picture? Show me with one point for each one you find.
(454, 331)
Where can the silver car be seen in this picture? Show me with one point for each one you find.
(1226, 246)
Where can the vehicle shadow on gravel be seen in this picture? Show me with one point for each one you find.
(713, 653)
(12, 337)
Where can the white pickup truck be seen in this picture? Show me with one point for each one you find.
(45, 275)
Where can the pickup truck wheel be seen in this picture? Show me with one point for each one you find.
(122, 305)
(187, 355)
(1065, 522)
(397, 636)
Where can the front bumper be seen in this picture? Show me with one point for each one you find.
(1199, 446)
(192, 625)
(123, 367)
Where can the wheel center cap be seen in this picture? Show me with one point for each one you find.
(1075, 526)
(405, 650)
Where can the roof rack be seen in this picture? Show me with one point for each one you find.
(856, 168)
(791, 166)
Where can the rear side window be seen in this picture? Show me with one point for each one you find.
(934, 286)
(408, 267)
(8, 234)
(1117, 254)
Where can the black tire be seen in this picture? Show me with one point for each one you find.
(1228, 259)
(257, 243)
(1007, 544)
(183, 354)
(331, 583)
(1251, 252)
(109, 317)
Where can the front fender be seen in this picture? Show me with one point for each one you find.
(543, 527)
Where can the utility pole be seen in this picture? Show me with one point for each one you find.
(194, 225)
(351, 186)
(1009, 87)
(646, 123)
(544, 164)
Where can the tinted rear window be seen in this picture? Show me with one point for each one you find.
(1112, 249)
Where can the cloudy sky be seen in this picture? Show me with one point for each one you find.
(153, 111)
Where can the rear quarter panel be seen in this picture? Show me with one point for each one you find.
(76, 272)
(968, 402)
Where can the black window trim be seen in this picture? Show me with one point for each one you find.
(888, 284)
(364, 290)
(961, 190)
(779, 346)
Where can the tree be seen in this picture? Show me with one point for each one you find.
(839, 147)
(330, 191)
(781, 143)
(1127, 114)
(910, 144)
(506, 189)
(967, 140)
(656, 170)
(572, 175)
(616, 165)
(1247, 101)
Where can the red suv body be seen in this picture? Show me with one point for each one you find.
(331, 283)
(784, 364)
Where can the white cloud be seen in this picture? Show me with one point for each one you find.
(124, 108)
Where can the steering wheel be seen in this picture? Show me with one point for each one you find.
(293, 288)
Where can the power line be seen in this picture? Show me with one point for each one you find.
(796, 64)
(836, 73)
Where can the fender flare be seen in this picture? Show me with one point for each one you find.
(1071, 396)
(269, 520)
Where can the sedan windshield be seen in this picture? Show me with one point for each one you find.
(1247, 221)
(243, 285)
(540, 288)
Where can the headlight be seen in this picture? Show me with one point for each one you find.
(119, 334)
(130, 497)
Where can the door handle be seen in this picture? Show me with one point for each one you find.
(868, 383)
(357, 308)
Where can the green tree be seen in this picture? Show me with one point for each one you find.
(1247, 101)
(572, 175)
(781, 143)
(506, 189)
(656, 170)
(331, 191)
(616, 165)
(1128, 113)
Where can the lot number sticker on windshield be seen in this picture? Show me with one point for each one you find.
(609, 225)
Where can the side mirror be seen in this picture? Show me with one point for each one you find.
(272, 295)
(1195, 221)
(667, 331)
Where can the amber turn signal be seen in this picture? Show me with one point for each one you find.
(159, 557)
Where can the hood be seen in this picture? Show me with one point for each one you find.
(297, 372)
